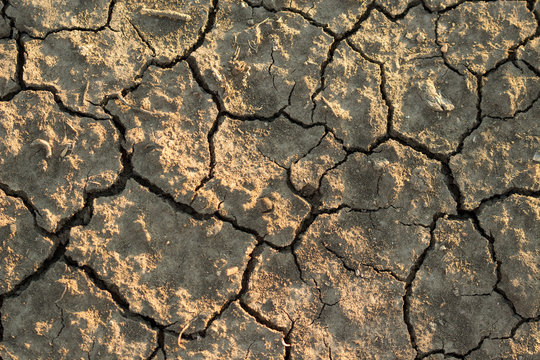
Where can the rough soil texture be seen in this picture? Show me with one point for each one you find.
(270, 179)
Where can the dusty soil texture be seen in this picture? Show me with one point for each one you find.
(269, 179)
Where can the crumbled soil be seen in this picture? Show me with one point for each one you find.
(270, 179)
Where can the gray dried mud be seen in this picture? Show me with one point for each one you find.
(270, 179)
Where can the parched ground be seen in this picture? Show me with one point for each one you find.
(269, 179)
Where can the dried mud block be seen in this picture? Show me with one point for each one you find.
(22, 248)
(453, 305)
(480, 34)
(234, 335)
(351, 102)
(524, 345)
(168, 265)
(394, 7)
(39, 18)
(261, 68)
(362, 313)
(394, 176)
(379, 239)
(339, 16)
(509, 89)
(497, 157)
(276, 290)
(307, 172)
(514, 223)
(8, 67)
(394, 43)
(32, 143)
(170, 28)
(167, 121)
(65, 316)
(530, 52)
(250, 176)
(84, 67)
(436, 107)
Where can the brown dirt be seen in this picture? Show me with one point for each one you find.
(270, 179)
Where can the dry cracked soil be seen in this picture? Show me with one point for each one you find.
(269, 179)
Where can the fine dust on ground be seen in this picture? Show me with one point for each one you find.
(270, 179)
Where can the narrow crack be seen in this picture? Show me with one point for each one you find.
(189, 210)
(491, 246)
(520, 324)
(54, 256)
(408, 285)
(517, 112)
(63, 323)
(205, 29)
(479, 116)
(199, 78)
(21, 61)
(246, 276)
(168, 198)
(114, 292)
(507, 194)
(384, 94)
(531, 67)
(322, 76)
(143, 39)
(356, 271)
(95, 29)
(261, 319)
(440, 44)
(212, 151)
(270, 69)
(154, 353)
(21, 195)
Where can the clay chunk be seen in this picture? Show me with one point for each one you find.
(170, 266)
(262, 68)
(453, 302)
(167, 121)
(498, 157)
(250, 177)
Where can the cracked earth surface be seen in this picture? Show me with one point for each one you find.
(270, 179)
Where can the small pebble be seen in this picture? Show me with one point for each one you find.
(444, 48)
(536, 157)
